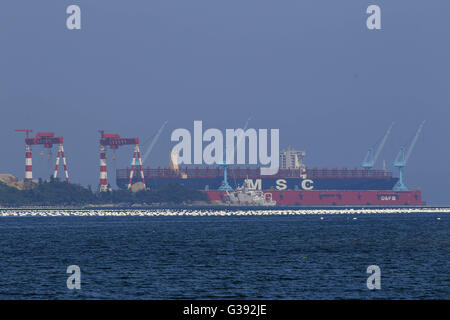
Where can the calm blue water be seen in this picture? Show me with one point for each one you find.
(253, 257)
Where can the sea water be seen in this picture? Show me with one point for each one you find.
(225, 254)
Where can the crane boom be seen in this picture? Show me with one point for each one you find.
(246, 123)
(403, 155)
(152, 144)
(383, 142)
(239, 140)
(413, 142)
(371, 158)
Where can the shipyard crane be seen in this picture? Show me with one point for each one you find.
(371, 158)
(114, 141)
(225, 185)
(152, 144)
(402, 159)
(47, 140)
(239, 139)
(246, 123)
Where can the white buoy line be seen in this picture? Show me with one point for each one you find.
(207, 212)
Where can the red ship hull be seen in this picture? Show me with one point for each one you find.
(338, 198)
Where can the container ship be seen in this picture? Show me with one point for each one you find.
(294, 184)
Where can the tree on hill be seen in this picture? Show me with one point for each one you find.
(55, 192)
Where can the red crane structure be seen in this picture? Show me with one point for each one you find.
(47, 139)
(114, 141)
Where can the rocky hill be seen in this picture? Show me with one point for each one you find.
(13, 181)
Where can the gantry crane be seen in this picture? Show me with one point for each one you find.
(47, 140)
(114, 141)
(371, 158)
(402, 159)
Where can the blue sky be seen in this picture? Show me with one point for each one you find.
(309, 68)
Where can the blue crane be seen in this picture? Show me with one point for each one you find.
(152, 144)
(402, 159)
(225, 185)
(371, 158)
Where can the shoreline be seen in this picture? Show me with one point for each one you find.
(220, 207)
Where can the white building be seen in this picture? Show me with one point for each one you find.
(292, 159)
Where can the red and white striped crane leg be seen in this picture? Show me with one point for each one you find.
(28, 163)
(133, 163)
(55, 173)
(141, 169)
(103, 170)
(66, 171)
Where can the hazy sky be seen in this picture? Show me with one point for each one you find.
(308, 67)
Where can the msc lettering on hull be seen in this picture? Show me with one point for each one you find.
(280, 184)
